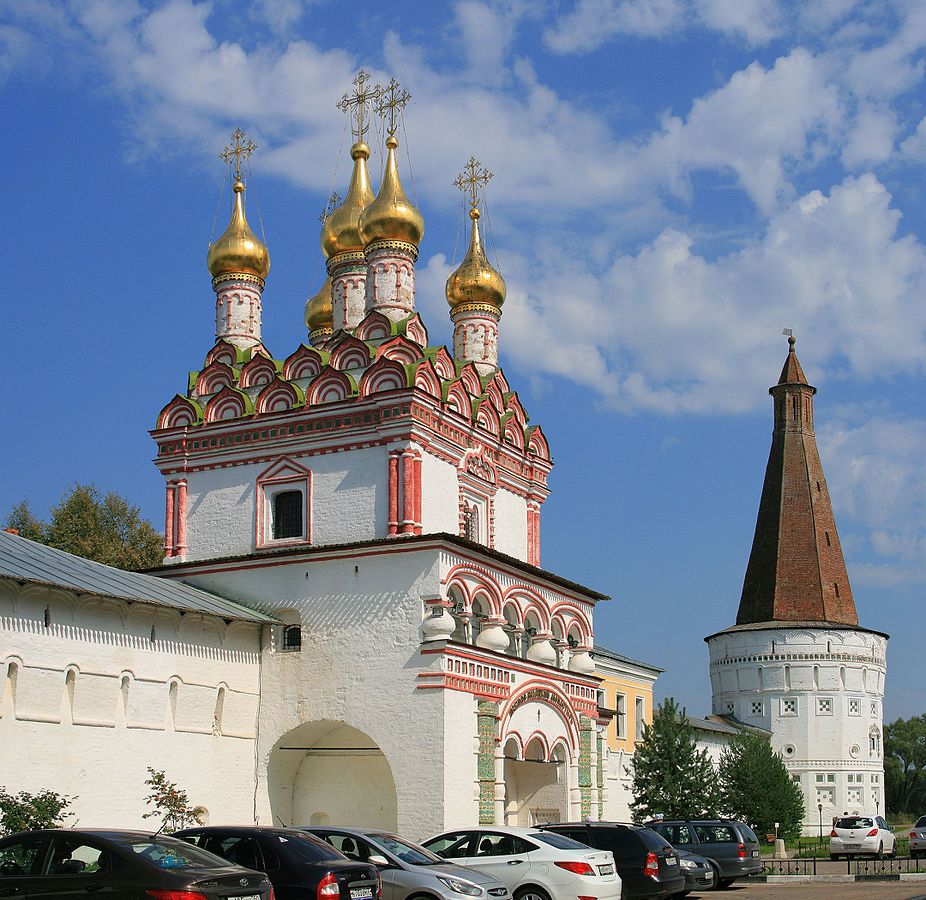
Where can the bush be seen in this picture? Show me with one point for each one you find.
(25, 811)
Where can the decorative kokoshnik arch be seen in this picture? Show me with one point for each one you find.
(551, 697)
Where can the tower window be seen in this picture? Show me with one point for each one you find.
(471, 522)
(836, 588)
(855, 706)
(789, 706)
(287, 515)
(827, 538)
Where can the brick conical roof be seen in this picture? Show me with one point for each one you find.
(796, 570)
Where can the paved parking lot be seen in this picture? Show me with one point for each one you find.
(874, 890)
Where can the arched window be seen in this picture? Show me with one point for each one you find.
(292, 638)
(511, 626)
(287, 514)
(531, 627)
(457, 611)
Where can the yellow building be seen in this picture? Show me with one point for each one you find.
(626, 695)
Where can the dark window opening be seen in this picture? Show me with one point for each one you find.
(287, 515)
(292, 637)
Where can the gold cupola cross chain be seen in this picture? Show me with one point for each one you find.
(473, 177)
(355, 104)
(239, 149)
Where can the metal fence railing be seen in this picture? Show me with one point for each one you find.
(860, 866)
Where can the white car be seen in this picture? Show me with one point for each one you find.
(857, 835)
(533, 864)
(918, 838)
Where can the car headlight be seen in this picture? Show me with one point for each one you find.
(688, 864)
(460, 887)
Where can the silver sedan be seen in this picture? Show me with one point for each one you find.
(918, 838)
(407, 869)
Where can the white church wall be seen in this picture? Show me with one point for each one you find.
(349, 502)
(461, 757)
(86, 706)
(510, 524)
(440, 496)
(358, 665)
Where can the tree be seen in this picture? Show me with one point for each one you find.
(755, 787)
(170, 803)
(904, 763)
(670, 775)
(24, 811)
(105, 529)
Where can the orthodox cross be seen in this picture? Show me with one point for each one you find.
(240, 148)
(787, 332)
(391, 101)
(334, 201)
(473, 177)
(356, 104)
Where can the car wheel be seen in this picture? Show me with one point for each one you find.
(724, 883)
(531, 893)
(717, 885)
(880, 853)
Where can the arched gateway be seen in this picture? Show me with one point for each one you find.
(328, 772)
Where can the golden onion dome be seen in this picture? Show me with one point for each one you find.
(341, 231)
(391, 216)
(238, 251)
(475, 283)
(319, 310)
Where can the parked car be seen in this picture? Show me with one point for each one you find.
(918, 838)
(533, 864)
(299, 865)
(698, 872)
(731, 847)
(407, 869)
(646, 862)
(120, 865)
(856, 835)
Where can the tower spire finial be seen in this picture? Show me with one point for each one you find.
(472, 179)
(355, 104)
(240, 148)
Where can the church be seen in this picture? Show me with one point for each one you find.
(351, 624)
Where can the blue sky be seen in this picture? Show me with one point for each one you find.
(675, 182)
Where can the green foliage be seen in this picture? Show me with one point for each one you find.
(905, 764)
(670, 775)
(105, 529)
(24, 811)
(171, 804)
(756, 788)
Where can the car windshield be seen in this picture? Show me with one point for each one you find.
(854, 822)
(557, 840)
(171, 853)
(404, 850)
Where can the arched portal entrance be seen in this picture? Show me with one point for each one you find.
(330, 773)
(536, 784)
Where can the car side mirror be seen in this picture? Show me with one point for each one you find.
(378, 860)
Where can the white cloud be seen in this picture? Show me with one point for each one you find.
(871, 137)
(594, 22)
(671, 331)
(874, 468)
(756, 21)
(761, 123)
(914, 147)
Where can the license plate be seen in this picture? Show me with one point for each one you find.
(670, 861)
(361, 894)
(755, 853)
(851, 846)
(605, 870)
(246, 897)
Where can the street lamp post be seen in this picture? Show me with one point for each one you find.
(820, 813)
